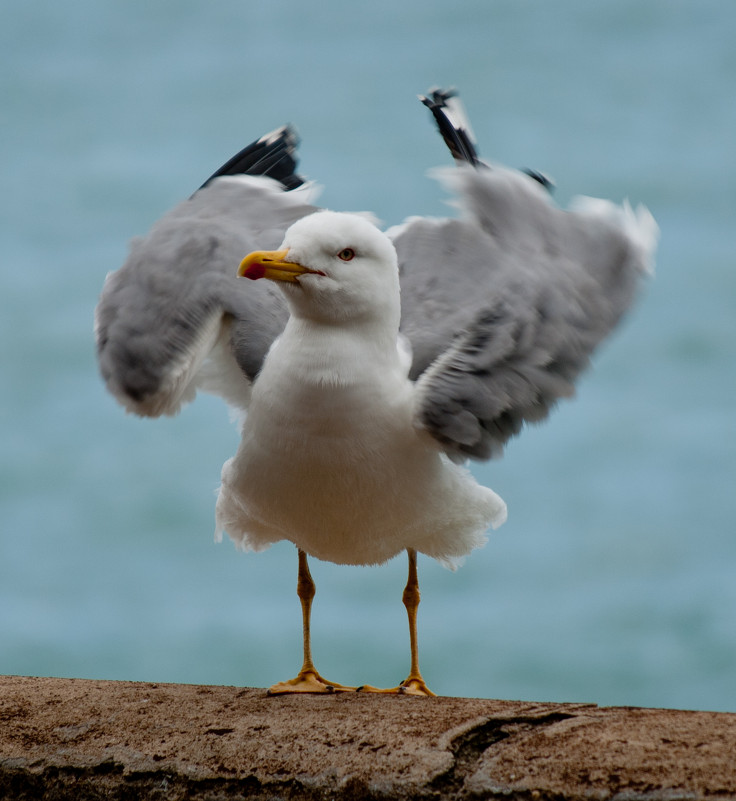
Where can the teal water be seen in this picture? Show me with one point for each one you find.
(613, 581)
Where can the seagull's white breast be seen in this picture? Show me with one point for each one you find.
(331, 460)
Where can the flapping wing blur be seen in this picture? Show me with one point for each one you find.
(176, 302)
(502, 307)
(505, 306)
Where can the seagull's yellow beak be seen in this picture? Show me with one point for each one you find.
(272, 264)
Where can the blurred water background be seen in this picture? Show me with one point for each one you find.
(614, 579)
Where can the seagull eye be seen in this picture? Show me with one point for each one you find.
(347, 254)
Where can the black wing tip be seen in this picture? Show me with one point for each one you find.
(273, 155)
(541, 178)
(458, 139)
(437, 96)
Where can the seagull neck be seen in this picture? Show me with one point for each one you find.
(356, 335)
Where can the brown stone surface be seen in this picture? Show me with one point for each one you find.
(63, 738)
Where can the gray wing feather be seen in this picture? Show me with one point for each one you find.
(177, 296)
(504, 308)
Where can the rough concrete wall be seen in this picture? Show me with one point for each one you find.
(77, 739)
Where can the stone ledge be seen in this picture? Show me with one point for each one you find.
(81, 739)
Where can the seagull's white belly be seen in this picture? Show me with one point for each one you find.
(339, 469)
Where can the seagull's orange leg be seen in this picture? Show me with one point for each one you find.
(308, 680)
(414, 683)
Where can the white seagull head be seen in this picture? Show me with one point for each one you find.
(333, 268)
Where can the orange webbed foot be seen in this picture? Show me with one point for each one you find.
(308, 681)
(411, 686)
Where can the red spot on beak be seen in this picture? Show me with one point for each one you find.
(255, 271)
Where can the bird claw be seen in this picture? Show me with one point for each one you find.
(308, 681)
(412, 686)
(416, 687)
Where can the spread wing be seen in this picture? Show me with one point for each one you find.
(505, 306)
(175, 317)
(502, 307)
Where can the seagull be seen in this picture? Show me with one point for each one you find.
(331, 457)
(369, 366)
